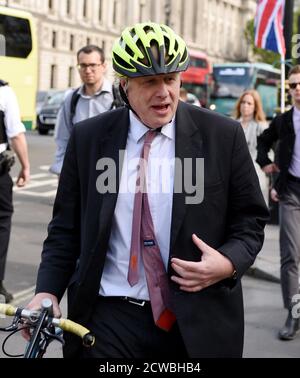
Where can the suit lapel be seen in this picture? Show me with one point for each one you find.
(289, 122)
(114, 142)
(188, 144)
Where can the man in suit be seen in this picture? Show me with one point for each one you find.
(284, 131)
(205, 242)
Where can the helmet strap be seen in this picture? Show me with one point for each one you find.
(125, 99)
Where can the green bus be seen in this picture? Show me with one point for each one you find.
(232, 79)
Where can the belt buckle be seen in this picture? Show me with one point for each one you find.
(131, 300)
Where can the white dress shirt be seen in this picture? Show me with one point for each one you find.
(12, 120)
(160, 182)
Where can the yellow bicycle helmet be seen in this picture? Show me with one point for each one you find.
(149, 49)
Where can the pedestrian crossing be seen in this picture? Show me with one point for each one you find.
(41, 185)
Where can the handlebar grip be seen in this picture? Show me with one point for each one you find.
(70, 326)
(7, 309)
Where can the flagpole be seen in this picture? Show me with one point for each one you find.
(282, 94)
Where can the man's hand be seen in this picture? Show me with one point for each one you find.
(195, 276)
(36, 304)
(23, 177)
(274, 195)
(270, 168)
(19, 145)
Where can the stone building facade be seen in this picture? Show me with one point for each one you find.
(215, 27)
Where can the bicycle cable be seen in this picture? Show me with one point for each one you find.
(6, 340)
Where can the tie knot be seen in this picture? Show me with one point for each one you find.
(150, 135)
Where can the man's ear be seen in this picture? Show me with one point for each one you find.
(124, 84)
(104, 65)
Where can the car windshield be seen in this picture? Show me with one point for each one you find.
(56, 98)
(41, 95)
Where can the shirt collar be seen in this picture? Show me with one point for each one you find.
(296, 111)
(106, 87)
(138, 129)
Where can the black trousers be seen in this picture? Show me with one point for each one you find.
(6, 211)
(126, 330)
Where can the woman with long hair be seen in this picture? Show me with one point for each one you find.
(249, 112)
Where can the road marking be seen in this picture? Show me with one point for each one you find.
(39, 175)
(39, 180)
(23, 295)
(50, 193)
(44, 167)
(36, 184)
(36, 176)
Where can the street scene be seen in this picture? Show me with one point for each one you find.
(167, 133)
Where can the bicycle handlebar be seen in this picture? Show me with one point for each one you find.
(64, 324)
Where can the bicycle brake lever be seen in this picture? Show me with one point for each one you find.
(13, 326)
(10, 328)
(53, 336)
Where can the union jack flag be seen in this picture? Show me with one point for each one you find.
(269, 25)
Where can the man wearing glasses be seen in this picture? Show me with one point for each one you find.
(95, 96)
(284, 130)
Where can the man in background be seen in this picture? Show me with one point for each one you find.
(96, 95)
(284, 131)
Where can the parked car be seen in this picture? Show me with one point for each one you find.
(41, 97)
(46, 118)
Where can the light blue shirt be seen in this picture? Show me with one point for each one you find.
(295, 163)
(86, 107)
(160, 183)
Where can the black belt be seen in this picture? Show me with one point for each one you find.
(293, 178)
(137, 302)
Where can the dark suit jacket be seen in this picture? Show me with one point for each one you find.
(231, 218)
(281, 134)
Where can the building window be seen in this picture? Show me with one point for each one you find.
(141, 15)
(115, 12)
(100, 10)
(54, 39)
(88, 41)
(103, 46)
(71, 42)
(182, 23)
(68, 7)
(84, 13)
(50, 4)
(53, 74)
(71, 77)
(167, 10)
(195, 21)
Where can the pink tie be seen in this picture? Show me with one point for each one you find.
(143, 242)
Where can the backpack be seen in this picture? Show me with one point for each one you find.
(117, 102)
